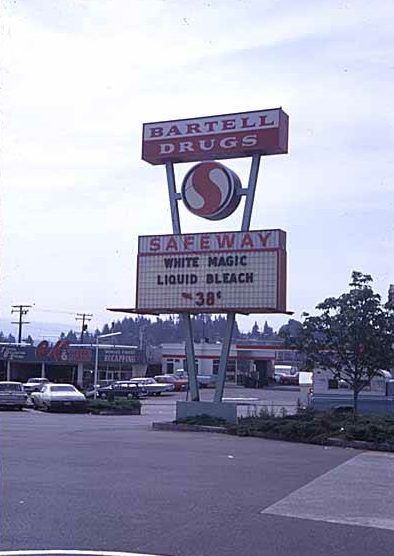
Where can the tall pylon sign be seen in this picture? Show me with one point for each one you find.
(227, 272)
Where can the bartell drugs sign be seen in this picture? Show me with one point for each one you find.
(238, 135)
(214, 272)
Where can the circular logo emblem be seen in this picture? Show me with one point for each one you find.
(211, 190)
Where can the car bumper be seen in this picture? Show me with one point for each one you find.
(13, 401)
(9, 403)
(67, 405)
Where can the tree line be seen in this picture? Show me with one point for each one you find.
(141, 331)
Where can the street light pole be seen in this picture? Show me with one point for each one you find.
(96, 358)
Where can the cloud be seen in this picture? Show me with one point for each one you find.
(79, 78)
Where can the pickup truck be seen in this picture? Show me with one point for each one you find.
(331, 394)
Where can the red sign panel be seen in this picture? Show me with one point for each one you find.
(262, 132)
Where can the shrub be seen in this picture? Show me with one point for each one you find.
(204, 420)
(317, 427)
(116, 406)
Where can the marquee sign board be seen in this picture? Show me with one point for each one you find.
(216, 272)
(238, 135)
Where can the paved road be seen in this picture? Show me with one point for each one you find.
(112, 483)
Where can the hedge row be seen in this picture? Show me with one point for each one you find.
(309, 427)
(117, 406)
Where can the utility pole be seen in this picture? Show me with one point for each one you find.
(83, 317)
(22, 310)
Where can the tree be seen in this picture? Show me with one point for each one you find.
(255, 334)
(291, 330)
(352, 337)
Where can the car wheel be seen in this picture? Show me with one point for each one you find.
(157, 393)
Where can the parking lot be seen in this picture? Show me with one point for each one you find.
(85, 482)
(249, 400)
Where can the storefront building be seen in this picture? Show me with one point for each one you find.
(62, 362)
(250, 364)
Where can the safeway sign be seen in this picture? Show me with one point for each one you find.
(215, 272)
(238, 135)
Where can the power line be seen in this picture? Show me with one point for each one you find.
(83, 317)
(22, 310)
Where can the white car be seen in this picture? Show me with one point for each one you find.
(59, 397)
(34, 384)
(151, 387)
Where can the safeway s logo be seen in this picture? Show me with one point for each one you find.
(211, 190)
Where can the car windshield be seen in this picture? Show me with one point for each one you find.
(10, 386)
(62, 389)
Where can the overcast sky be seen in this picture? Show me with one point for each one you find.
(78, 79)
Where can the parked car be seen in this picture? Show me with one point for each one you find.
(286, 374)
(12, 394)
(178, 382)
(181, 373)
(206, 381)
(117, 389)
(34, 384)
(59, 397)
(152, 387)
(289, 379)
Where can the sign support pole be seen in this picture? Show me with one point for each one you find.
(176, 228)
(228, 333)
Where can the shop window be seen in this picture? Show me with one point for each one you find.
(196, 363)
(170, 366)
(230, 371)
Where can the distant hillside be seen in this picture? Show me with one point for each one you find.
(141, 331)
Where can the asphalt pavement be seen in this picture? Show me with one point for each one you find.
(111, 483)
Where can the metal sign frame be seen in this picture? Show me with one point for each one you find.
(174, 197)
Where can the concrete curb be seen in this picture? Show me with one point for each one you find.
(183, 427)
(359, 445)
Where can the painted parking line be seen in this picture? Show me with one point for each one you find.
(71, 553)
(241, 399)
(358, 492)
